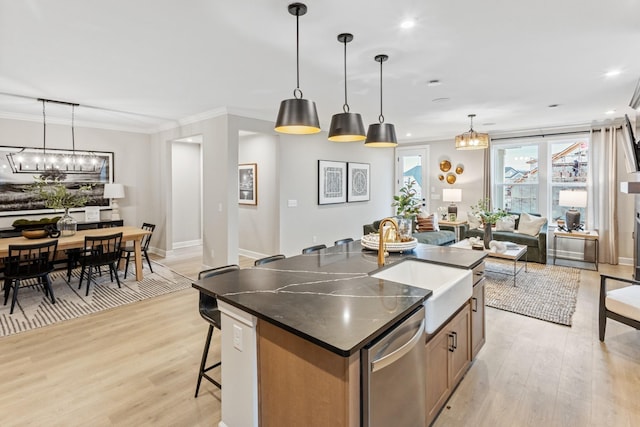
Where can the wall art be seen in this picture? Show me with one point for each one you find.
(358, 182)
(248, 184)
(332, 182)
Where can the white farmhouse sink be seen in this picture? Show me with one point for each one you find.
(451, 287)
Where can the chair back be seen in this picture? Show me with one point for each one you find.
(343, 241)
(313, 248)
(103, 249)
(209, 305)
(31, 260)
(144, 244)
(268, 259)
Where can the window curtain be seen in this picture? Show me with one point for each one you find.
(602, 212)
(486, 184)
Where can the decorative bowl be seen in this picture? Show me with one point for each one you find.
(372, 241)
(35, 234)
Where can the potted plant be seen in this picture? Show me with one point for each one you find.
(488, 216)
(407, 209)
(55, 195)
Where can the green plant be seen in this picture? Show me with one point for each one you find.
(484, 211)
(406, 203)
(56, 195)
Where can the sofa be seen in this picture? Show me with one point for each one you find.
(444, 237)
(536, 245)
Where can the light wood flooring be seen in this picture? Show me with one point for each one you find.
(137, 365)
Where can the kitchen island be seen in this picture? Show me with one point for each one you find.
(293, 331)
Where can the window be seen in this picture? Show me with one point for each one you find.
(528, 175)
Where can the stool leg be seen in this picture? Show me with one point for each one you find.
(203, 362)
(15, 294)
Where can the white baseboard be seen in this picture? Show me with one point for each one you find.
(251, 254)
(187, 244)
(160, 252)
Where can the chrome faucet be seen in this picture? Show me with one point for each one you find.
(383, 237)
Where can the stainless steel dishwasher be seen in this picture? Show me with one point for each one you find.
(393, 376)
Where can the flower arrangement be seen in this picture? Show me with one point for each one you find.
(483, 211)
(406, 203)
(57, 196)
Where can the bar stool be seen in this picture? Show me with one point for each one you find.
(209, 312)
(313, 248)
(343, 241)
(268, 259)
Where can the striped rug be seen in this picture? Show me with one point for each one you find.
(34, 310)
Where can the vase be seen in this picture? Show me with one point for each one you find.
(67, 225)
(405, 226)
(488, 235)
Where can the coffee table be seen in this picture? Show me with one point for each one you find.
(514, 253)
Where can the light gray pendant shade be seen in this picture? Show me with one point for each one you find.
(346, 127)
(381, 134)
(297, 115)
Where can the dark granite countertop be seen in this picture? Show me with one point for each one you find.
(328, 297)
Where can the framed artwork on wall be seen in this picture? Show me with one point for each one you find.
(19, 166)
(248, 184)
(359, 182)
(332, 182)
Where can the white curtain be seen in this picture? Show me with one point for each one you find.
(602, 212)
(486, 184)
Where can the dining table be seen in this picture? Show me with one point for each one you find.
(129, 234)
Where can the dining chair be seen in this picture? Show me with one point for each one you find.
(343, 241)
(313, 248)
(128, 250)
(100, 251)
(31, 261)
(268, 259)
(621, 304)
(210, 312)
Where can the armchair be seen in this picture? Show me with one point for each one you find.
(621, 304)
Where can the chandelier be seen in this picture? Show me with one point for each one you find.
(472, 140)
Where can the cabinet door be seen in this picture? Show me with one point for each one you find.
(437, 362)
(477, 319)
(461, 355)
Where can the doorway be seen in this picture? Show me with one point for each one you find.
(411, 165)
(186, 190)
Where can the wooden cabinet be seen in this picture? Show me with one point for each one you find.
(448, 356)
(478, 333)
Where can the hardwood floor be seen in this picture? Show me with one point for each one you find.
(137, 365)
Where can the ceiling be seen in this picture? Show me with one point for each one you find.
(146, 65)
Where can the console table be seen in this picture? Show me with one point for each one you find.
(455, 224)
(107, 223)
(582, 235)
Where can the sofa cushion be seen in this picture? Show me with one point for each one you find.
(625, 301)
(473, 220)
(507, 223)
(530, 224)
(439, 238)
(428, 223)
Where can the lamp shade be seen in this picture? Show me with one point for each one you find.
(346, 127)
(472, 140)
(381, 135)
(452, 195)
(113, 191)
(574, 199)
(297, 116)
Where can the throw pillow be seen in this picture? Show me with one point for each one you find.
(474, 221)
(530, 224)
(427, 224)
(507, 223)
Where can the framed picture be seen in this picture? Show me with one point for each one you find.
(332, 182)
(358, 180)
(19, 166)
(248, 184)
(91, 213)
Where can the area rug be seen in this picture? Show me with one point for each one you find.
(34, 310)
(545, 292)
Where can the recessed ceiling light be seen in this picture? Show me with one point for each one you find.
(553, 105)
(489, 124)
(434, 82)
(610, 112)
(612, 73)
(440, 100)
(409, 23)
(408, 134)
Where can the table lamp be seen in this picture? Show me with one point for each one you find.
(452, 195)
(573, 199)
(114, 192)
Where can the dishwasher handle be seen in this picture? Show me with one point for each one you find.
(387, 360)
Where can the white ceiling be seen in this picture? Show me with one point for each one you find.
(168, 61)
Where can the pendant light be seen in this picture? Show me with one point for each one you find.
(381, 134)
(297, 115)
(472, 140)
(346, 127)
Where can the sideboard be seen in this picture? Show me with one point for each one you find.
(13, 232)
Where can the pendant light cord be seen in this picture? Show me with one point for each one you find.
(345, 107)
(297, 90)
(381, 117)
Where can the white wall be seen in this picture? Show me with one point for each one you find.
(258, 225)
(131, 165)
(186, 190)
(299, 157)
